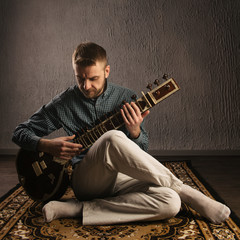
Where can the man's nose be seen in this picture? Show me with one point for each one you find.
(87, 84)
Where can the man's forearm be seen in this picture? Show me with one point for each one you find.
(25, 138)
(43, 145)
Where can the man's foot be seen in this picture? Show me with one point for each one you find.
(56, 209)
(214, 211)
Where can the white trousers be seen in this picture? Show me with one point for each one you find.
(119, 182)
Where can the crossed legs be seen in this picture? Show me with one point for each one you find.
(118, 182)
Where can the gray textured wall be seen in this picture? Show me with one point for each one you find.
(196, 42)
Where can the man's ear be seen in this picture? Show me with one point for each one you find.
(107, 71)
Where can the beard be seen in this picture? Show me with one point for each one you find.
(92, 92)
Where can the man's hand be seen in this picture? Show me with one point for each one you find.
(133, 118)
(60, 147)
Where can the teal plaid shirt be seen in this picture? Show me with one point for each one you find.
(71, 111)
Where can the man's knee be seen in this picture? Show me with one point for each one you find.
(174, 204)
(113, 136)
(169, 202)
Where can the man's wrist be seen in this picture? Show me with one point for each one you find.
(135, 135)
(43, 145)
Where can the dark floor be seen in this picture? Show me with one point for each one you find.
(221, 173)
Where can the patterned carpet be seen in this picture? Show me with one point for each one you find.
(21, 218)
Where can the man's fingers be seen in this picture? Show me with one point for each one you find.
(68, 154)
(128, 115)
(72, 145)
(145, 113)
(70, 150)
(130, 109)
(68, 138)
(65, 157)
(124, 117)
(136, 108)
(134, 114)
(73, 149)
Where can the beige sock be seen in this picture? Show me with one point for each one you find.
(214, 211)
(56, 209)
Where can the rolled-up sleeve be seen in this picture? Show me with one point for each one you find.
(142, 140)
(42, 123)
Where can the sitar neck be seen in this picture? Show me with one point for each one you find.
(115, 120)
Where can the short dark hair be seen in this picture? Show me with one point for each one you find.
(87, 54)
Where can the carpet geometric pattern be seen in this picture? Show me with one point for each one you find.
(21, 218)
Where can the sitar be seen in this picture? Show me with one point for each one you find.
(45, 177)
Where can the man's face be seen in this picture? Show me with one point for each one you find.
(91, 79)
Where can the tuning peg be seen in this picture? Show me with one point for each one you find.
(165, 76)
(149, 86)
(156, 82)
(167, 86)
(134, 97)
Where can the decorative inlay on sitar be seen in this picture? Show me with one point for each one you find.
(45, 177)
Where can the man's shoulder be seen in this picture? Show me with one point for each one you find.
(69, 93)
(66, 97)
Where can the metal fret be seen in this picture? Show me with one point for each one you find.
(115, 117)
(98, 131)
(90, 134)
(103, 126)
(83, 142)
(89, 137)
(112, 123)
(95, 134)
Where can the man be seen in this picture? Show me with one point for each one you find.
(115, 181)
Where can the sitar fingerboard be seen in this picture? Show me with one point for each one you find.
(115, 121)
